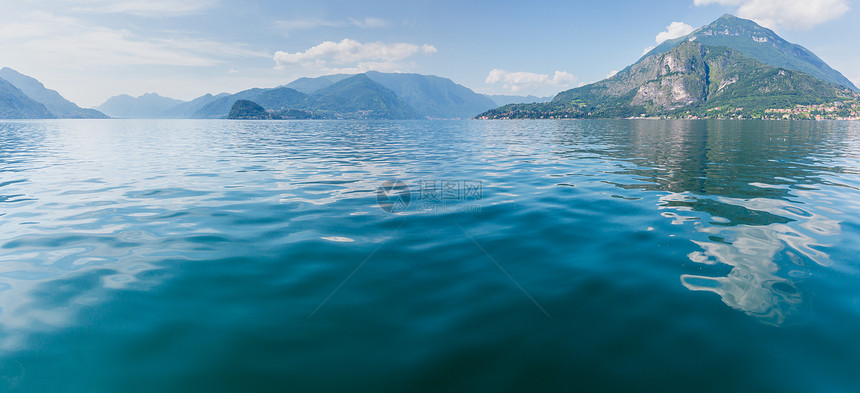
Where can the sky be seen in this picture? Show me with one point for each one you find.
(91, 50)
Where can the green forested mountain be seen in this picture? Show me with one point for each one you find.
(53, 101)
(14, 104)
(249, 110)
(759, 43)
(358, 97)
(732, 67)
(279, 98)
(689, 80)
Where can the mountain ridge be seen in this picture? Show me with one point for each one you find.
(14, 104)
(760, 43)
(146, 106)
(690, 80)
(51, 99)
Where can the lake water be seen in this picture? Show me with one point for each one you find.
(629, 255)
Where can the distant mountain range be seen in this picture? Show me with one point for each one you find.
(23, 97)
(368, 95)
(149, 105)
(730, 68)
(371, 95)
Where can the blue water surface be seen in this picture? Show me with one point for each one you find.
(436, 256)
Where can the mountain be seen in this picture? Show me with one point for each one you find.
(279, 98)
(691, 79)
(353, 97)
(53, 101)
(14, 104)
(249, 110)
(312, 85)
(688, 78)
(358, 97)
(147, 106)
(187, 110)
(759, 43)
(501, 100)
(432, 96)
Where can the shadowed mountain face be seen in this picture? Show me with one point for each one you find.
(761, 44)
(249, 110)
(53, 101)
(14, 104)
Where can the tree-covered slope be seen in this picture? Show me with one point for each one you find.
(358, 97)
(689, 80)
(249, 110)
(279, 98)
(761, 44)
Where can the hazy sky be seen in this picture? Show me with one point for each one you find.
(90, 50)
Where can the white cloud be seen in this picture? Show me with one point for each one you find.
(528, 81)
(611, 74)
(79, 58)
(312, 23)
(785, 14)
(353, 56)
(44, 37)
(148, 8)
(369, 23)
(674, 30)
(304, 24)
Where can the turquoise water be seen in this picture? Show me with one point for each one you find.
(183, 256)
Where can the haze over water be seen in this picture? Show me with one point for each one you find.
(594, 255)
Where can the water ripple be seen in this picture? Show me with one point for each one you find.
(177, 248)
